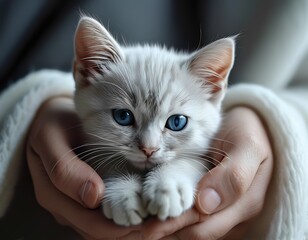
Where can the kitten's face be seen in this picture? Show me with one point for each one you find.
(147, 104)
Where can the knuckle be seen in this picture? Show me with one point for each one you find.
(210, 236)
(39, 139)
(29, 154)
(58, 173)
(238, 180)
(255, 145)
(198, 235)
(40, 198)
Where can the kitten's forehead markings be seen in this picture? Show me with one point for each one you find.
(157, 90)
(167, 91)
(151, 104)
(183, 102)
(134, 100)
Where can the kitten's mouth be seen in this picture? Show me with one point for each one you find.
(144, 165)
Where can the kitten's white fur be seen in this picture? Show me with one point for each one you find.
(153, 83)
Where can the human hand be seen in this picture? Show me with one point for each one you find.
(234, 191)
(64, 185)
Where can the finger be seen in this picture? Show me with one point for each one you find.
(52, 137)
(90, 222)
(214, 227)
(228, 181)
(248, 206)
(172, 237)
(239, 231)
(232, 178)
(67, 172)
(154, 229)
(134, 235)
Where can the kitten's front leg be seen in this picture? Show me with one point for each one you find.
(122, 200)
(169, 190)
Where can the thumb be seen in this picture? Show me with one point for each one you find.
(76, 179)
(228, 181)
(67, 172)
(51, 137)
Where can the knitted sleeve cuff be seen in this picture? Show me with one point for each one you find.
(285, 211)
(19, 104)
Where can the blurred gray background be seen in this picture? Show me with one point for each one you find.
(38, 34)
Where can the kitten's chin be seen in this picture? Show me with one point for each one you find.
(143, 165)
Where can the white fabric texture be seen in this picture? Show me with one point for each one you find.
(19, 104)
(285, 214)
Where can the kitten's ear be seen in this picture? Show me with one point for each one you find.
(94, 49)
(212, 64)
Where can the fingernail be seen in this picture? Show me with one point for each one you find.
(88, 194)
(208, 200)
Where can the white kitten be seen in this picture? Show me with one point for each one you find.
(150, 113)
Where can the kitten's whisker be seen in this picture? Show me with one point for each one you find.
(191, 154)
(212, 161)
(74, 149)
(99, 163)
(93, 144)
(86, 153)
(207, 169)
(222, 140)
(224, 155)
(201, 157)
(71, 159)
(103, 159)
(108, 140)
(100, 137)
(198, 152)
(119, 160)
(62, 157)
(215, 148)
(89, 160)
(71, 150)
(104, 147)
(112, 157)
(192, 166)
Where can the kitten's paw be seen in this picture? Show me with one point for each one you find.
(168, 197)
(123, 204)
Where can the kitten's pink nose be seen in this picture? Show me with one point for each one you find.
(148, 151)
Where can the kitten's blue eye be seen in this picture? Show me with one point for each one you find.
(123, 117)
(176, 122)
